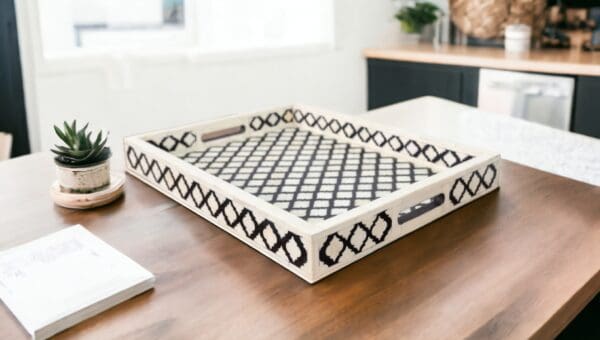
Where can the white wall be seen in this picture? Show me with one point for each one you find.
(158, 94)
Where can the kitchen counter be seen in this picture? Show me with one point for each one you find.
(572, 62)
(555, 151)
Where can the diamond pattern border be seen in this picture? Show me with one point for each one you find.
(356, 240)
(171, 143)
(414, 149)
(471, 185)
(209, 202)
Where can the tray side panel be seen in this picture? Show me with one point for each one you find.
(201, 135)
(352, 130)
(353, 240)
(474, 184)
(272, 238)
(175, 141)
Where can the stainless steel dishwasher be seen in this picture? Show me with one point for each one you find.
(539, 98)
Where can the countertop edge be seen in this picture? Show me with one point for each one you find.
(513, 63)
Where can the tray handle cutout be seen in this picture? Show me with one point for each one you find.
(227, 132)
(421, 208)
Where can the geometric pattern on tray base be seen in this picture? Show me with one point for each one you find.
(261, 231)
(308, 175)
(359, 238)
(477, 180)
(410, 147)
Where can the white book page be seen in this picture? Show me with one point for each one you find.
(55, 276)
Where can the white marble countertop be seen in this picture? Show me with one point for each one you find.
(559, 152)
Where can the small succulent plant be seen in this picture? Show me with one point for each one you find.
(79, 148)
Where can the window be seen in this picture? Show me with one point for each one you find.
(76, 26)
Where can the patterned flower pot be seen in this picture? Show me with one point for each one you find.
(83, 179)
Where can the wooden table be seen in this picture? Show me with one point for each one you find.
(520, 262)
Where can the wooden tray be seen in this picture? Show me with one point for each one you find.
(312, 190)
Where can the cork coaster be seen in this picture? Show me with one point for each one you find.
(91, 200)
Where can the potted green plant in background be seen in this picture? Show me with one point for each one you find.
(413, 19)
(83, 161)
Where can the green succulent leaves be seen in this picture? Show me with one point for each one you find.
(79, 147)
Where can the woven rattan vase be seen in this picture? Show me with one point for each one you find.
(487, 19)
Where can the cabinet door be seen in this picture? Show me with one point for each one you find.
(390, 82)
(470, 85)
(586, 117)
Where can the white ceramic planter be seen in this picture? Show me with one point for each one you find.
(86, 179)
(410, 38)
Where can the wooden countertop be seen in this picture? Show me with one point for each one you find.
(573, 61)
(519, 262)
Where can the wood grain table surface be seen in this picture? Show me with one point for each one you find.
(519, 262)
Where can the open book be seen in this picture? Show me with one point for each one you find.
(56, 281)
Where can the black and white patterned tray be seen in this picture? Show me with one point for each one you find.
(311, 176)
(313, 191)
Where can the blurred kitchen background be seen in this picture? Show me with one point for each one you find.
(131, 66)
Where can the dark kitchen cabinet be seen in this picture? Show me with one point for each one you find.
(586, 115)
(12, 102)
(390, 82)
